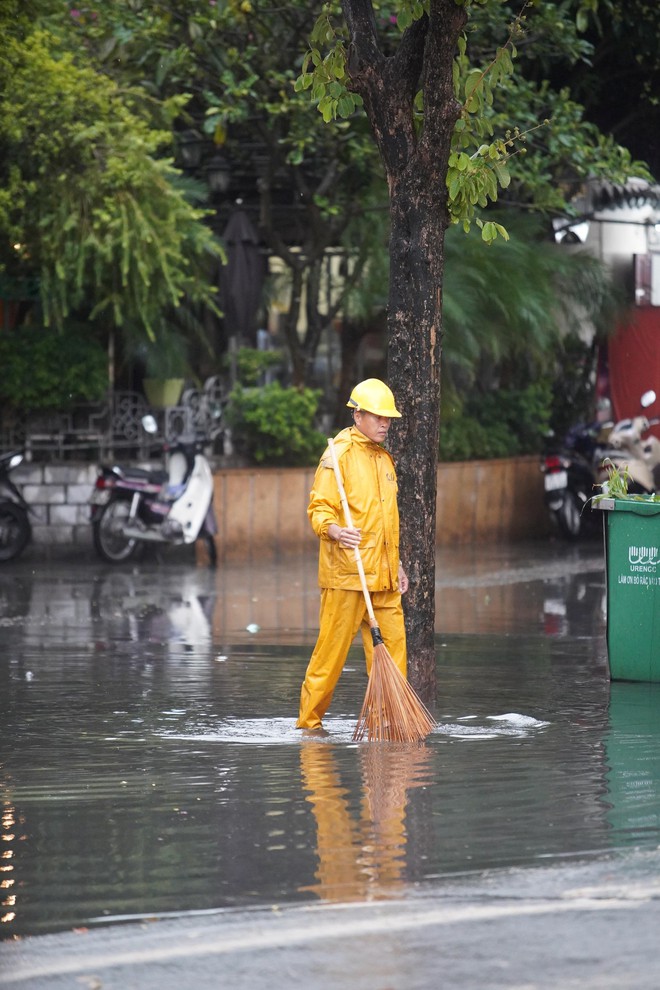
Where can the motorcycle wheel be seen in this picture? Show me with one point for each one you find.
(15, 531)
(109, 543)
(569, 516)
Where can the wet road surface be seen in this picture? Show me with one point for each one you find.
(151, 770)
(591, 927)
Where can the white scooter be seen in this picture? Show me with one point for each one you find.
(134, 506)
(629, 450)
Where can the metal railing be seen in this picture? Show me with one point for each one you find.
(102, 430)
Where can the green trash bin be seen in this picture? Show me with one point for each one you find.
(632, 560)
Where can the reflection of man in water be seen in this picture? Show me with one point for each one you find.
(362, 859)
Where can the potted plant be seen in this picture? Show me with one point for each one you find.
(166, 368)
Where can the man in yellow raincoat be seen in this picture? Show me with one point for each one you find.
(369, 479)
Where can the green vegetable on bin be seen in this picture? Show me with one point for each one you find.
(616, 485)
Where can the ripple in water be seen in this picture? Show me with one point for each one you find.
(511, 724)
(266, 731)
(282, 731)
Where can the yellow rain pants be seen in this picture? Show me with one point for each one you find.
(342, 614)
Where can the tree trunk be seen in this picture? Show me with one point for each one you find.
(416, 168)
(414, 328)
(315, 320)
(290, 328)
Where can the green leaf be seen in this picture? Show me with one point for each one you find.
(345, 106)
(503, 175)
(328, 110)
(474, 82)
(488, 232)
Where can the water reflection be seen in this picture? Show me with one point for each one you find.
(126, 610)
(632, 747)
(554, 589)
(10, 836)
(478, 589)
(362, 856)
(150, 765)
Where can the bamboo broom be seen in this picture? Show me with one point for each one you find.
(391, 710)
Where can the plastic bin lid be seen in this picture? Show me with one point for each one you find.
(640, 506)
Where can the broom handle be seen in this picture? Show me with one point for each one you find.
(349, 521)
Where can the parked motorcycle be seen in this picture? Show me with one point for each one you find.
(15, 527)
(629, 449)
(569, 479)
(134, 506)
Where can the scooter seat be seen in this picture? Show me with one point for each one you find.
(156, 476)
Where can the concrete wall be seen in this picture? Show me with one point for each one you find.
(58, 496)
(262, 513)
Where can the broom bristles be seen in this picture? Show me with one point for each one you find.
(392, 710)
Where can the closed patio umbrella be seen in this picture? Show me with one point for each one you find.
(242, 278)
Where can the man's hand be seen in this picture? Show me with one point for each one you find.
(403, 580)
(345, 536)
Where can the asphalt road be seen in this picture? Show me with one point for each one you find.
(582, 924)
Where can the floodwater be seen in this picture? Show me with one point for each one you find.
(149, 764)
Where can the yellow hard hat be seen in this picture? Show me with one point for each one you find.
(375, 397)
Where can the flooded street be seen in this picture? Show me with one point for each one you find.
(150, 767)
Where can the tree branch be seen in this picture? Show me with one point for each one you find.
(364, 50)
(386, 84)
(441, 108)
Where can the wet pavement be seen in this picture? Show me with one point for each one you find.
(165, 824)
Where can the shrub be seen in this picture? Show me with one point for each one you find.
(46, 369)
(251, 364)
(505, 423)
(525, 413)
(464, 438)
(275, 425)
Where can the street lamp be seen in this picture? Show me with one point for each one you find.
(218, 173)
(190, 146)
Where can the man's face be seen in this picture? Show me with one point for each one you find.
(374, 427)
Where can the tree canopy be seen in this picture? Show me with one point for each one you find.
(227, 70)
(86, 199)
(307, 188)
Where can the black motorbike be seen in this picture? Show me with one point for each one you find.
(570, 479)
(15, 528)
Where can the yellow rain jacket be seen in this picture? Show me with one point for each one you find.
(371, 489)
(370, 483)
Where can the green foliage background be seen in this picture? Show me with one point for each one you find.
(275, 425)
(43, 370)
(506, 423)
